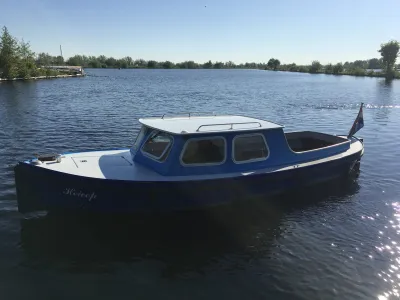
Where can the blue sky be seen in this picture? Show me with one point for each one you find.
(254, 30)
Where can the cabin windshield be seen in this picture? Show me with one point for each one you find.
(157, 145)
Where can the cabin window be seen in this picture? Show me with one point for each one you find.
(249, 148)
(201, 151)
(140, 137)
(157, 145)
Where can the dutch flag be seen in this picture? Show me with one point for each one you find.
(358, 122)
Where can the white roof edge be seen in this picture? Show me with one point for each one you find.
(189, 124)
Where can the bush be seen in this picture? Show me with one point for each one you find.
(304, 69)
(23, 71)
(358, 72)
(35, 72)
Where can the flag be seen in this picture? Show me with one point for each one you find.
(358, 122)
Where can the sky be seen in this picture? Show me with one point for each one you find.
(297, 31)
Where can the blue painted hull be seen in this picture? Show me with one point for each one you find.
(43, 189)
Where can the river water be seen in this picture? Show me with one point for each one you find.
(338, 241)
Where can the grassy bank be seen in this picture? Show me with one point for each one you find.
(358, 73)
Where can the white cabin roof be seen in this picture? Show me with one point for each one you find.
(207, 124)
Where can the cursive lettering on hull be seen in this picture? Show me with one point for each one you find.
(76, 193)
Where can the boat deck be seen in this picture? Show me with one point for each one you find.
(118, 165)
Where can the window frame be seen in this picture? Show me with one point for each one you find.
(253, 159)
(155, 158)
(143, 129)
(204, 164)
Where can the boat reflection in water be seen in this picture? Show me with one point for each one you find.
(182, 242)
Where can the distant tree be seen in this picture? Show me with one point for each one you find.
(292, 67)
(191, 64)
(79, 60)
(362, 64)
(315, 67)
(167, 65)
(375, 63)
(111, 62)
(59, 60)
(121, 63)
(338, 68)
(273, 64)
(94, 63)
(140, 63)
(329, 69)
(44, 59)
(26, 65)
(151, 64)
(129, 61)
(389, 52)
(208, 65)
(218, 65)
(304, 69)
(8, 54)
(230, 64)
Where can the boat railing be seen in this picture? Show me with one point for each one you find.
(231, 125)
(189, 114)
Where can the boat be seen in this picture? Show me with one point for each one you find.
(187, 162)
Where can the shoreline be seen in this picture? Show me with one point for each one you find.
(370, 75)
(42, 77)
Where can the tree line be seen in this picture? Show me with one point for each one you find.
(17, 60)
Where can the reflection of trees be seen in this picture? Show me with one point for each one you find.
(383, 101)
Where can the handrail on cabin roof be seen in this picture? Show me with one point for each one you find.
(231, 124)
(189, 115)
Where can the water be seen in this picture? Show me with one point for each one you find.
(333, 242)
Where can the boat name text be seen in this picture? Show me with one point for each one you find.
(80, 194)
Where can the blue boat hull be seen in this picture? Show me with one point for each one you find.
(43, 189)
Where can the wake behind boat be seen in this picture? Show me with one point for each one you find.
(179, 163)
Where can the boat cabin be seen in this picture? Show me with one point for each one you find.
(196, 145)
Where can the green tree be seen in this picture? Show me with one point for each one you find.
(329, 69)
(8, 55)
(59, 60)
(389, 52)
(26, 64)
(270, 63)
(151, 64)
(338, 68)
(208, 65)
(44, 59)
(361, 64)
(111, 62)
(230, 65)
(273, 64)
(292, 67)
(315, 67)
(167, 65)
(218, 65)
(375, 63)
(129, 61)
(140, 63)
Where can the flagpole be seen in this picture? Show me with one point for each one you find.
(359, 117)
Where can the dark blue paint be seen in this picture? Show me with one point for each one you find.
(43, 189)
(279, 155)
